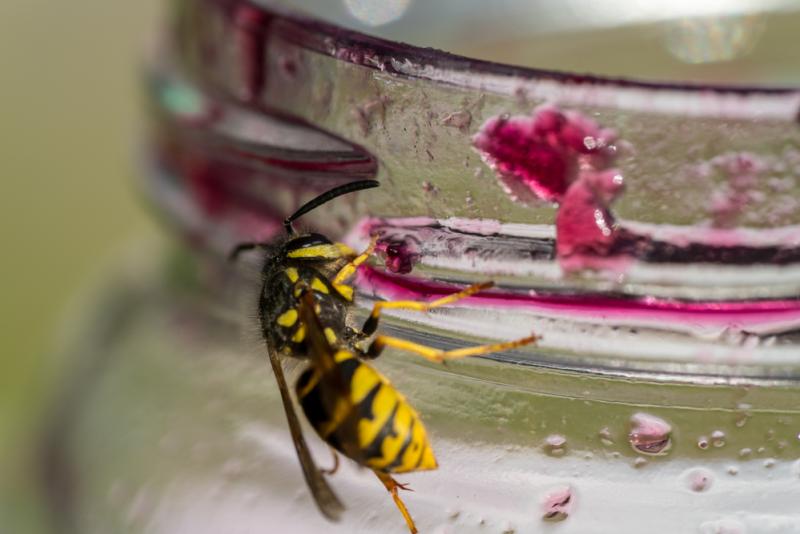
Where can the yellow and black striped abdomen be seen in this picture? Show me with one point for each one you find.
(373, 425)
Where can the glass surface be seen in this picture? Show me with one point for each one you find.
(646, 231)
(739, 42)
(173, 425)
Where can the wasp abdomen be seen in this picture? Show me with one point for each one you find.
(375, 426)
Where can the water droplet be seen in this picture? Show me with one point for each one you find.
(718, 438)
(555, 445)
(741, 420)
(733, 470)
(769, 462)
(649, 434)
(557, 504)
(605, 436)
(745, 452)
(702, 442)
(639, 462)
(698, 479)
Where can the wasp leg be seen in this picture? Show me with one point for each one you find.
(244, 247)
(371, 324)
(392, 486)
(440, 356)
(350, 269)
(332, 470)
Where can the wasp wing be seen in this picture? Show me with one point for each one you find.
(327, 501)
(336, 390)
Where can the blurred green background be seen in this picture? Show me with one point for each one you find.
(69, 122)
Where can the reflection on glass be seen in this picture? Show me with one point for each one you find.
(377, 12)
(713, 39)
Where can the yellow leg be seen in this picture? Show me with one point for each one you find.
(371, 324)
(350, 268)
(440, 356)
(392, 486)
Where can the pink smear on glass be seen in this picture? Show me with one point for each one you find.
(740, 314)
(563, 157)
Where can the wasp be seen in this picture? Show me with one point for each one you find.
(305, 309)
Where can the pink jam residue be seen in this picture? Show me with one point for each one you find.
(557, 504)
(566, 158)
(544, 152)
(742, 173)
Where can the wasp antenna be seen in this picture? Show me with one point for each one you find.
(326, 197)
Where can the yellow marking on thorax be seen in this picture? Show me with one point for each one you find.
(287, 318)
(343, 355)
(319, 285)
(300, 334)
(291, 273)
(330, 335)
(345, 291)
(325, 252)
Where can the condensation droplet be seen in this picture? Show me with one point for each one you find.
(733, 470)
(769, 462)
(702, 442)
(698, 479)
(649, 434)
(555, 445)
(741, 420)
(639, 462)
(605, 436)
(745, 452)
(718, 438)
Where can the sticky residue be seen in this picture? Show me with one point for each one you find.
(544, 153)
(557, 504)
(566, 158)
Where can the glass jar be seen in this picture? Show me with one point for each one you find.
(660, 395)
